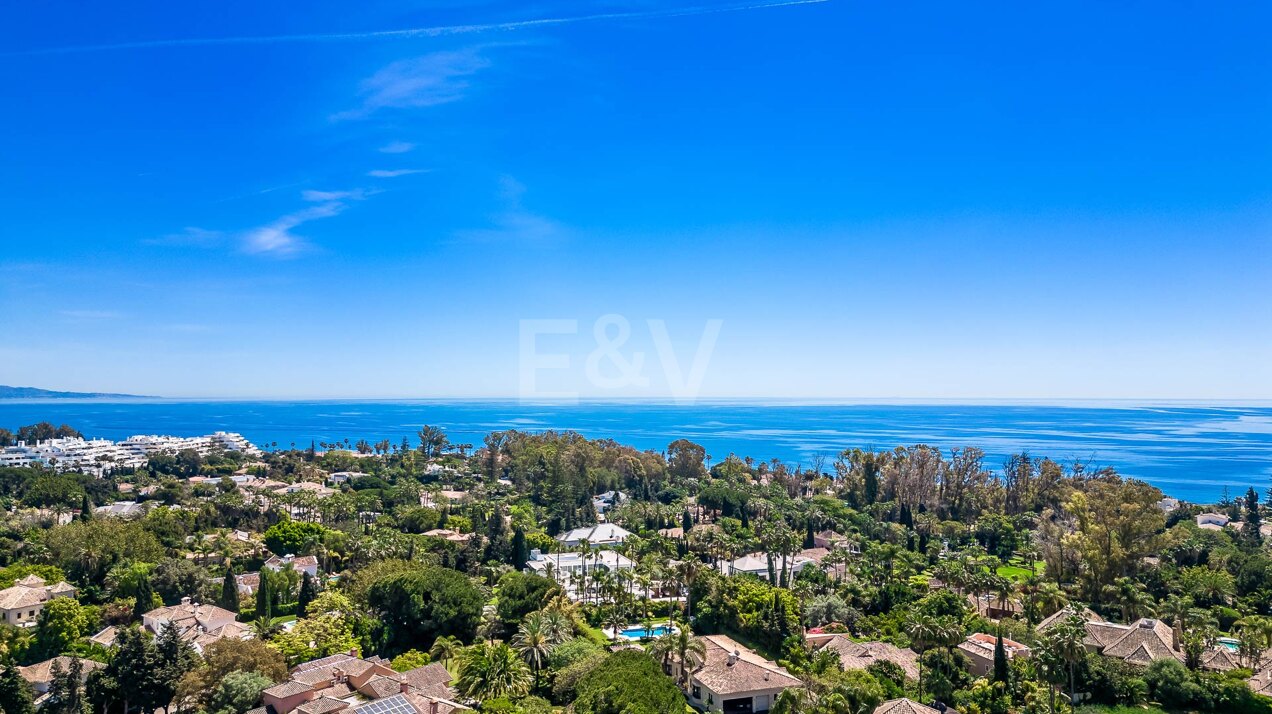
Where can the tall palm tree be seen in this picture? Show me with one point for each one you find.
(534, 642)
(489, 670)
(557, 624)
(927, 631)
(689, 651)
(445, 648)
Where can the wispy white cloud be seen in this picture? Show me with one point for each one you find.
(514, 223)
(434, 31)
(277, 239)
(397, 147)
(394, 173)
(430, 80)
(356, 194)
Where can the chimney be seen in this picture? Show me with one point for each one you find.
(404, 688)
(434, 707)
(353, 652)
(733, 657)
(185, 600)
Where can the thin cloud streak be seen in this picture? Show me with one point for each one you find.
(407, 33)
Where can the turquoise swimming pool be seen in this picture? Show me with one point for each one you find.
(636, 632)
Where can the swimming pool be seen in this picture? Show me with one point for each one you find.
(1230, 643)
(638, 632)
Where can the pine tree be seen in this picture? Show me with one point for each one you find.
(229, 591)
(175, 658)
(145, 598)
(308, 591)
(66, 690)
(1001, 670)
(15, 693)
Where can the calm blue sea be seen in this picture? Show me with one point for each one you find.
(1191, 452)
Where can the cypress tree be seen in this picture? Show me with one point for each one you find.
(1001, 670)
(86, 509)
(145, 598)
(229, 591)
(519, 552)
(686, 522)
(264, 596)
(308, 591)
(808, 533)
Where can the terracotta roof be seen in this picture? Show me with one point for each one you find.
(731, 668)
(859, 655)
(1219, 659)
(380, 687)
(904, 706)
(20, 596)
(322, 705)
(1143, 642)
(1087, 614)
(328, 661)
(42, 672)
(287, 689)
(426, 676)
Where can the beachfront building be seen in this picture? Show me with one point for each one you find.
(20, 605)
(602, 535)
(733, 679)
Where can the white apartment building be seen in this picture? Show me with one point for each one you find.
(102, 456)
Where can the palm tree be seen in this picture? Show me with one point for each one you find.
(490, 626)
(492, 670)
(534, 641)
(928, 631)
(688, 650)
(616, 620)
(445, 648)
(1065, 642)
(557, 624)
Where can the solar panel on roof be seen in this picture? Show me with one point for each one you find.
(396, 704)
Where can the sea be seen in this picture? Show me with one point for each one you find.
(1194, 452)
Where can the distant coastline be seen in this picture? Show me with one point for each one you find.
(1193, 452)
(35, 393)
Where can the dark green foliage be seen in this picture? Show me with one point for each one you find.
(628, 682)
(145, 598)
(308, 591)
(1001, 670)
(229, 592)
(293, 537)
(520, 553)
(521, 594)
(418, 607)
(15, 693)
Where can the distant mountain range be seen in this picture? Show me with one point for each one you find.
(7, 392)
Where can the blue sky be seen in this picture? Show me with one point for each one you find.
(875, 200)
